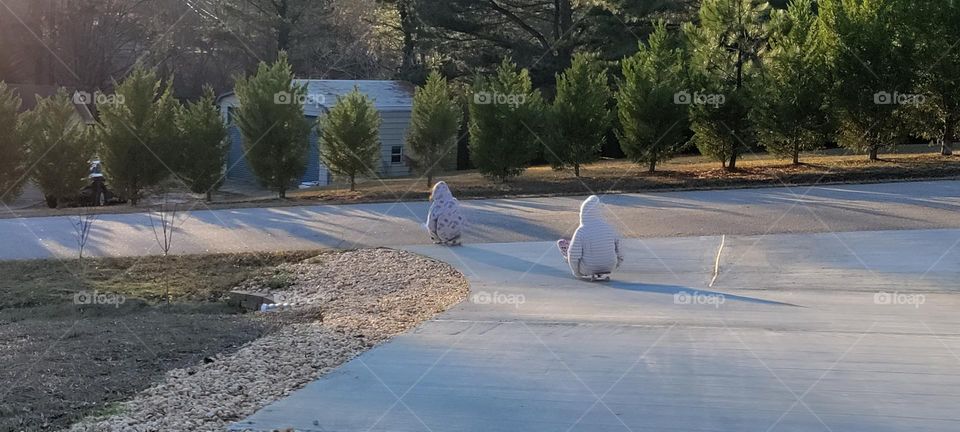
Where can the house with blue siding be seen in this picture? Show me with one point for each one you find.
(393, 99)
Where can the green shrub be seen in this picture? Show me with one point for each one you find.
(507, 119)
(204, 144)
(139, 136)
(350, 136)
(653, 126)
(275, 132)
(435, 122)
(580, 114)
(12, 151)
(60, 147)
(791, 111)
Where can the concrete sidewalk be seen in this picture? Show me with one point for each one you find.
(808, 332)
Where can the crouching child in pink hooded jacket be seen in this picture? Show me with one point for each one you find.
(445, 221)
(594, 251)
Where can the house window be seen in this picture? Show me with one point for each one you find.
(396, 155)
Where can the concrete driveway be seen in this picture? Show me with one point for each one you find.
(834, 310)
(919, 205)
(802, 332)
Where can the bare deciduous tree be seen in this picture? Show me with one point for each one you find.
(82, 226)
(164, 226)
(78, 43)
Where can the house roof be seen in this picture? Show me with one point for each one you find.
(30, 95)
(323, 94)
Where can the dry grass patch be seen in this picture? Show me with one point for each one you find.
(196, 363)
(187, 278)
(619, 176)
(63, 361)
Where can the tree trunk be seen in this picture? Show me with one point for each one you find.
(874, 153)
(576, 170)
(283, 37)
(653, 165)
(283, 193)
(732, 166)
(946, 146)
(209, 196)
(409, 27)
(429, 181)
(796, 157)
(284, 27)
(353, 183)
(563, 24)
(134, 191)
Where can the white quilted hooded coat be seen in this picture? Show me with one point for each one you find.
(595, 248)
(445, 221)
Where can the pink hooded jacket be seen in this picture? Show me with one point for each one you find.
(445, 221)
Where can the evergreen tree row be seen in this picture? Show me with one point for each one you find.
(143, 137)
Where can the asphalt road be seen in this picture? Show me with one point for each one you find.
(890, 206)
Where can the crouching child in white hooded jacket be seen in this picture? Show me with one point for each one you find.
(594, 251)
(445, 221)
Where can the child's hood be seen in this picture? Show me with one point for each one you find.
(590, 211)
(441, 192)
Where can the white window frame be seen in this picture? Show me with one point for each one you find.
(398, 155)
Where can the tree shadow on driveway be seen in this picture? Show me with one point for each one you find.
(682, 292)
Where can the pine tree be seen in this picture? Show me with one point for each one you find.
(204, 144)
(791, 114)
(350, 136)
(275, 132)
(939, 64)
(581, 116)
(506, 119)
(139, 135)
(725, 50)
(12, 152)
(653, 126)
(616, 18)
(542, 36)
(871, 56)
(59, 147)
(432, 137)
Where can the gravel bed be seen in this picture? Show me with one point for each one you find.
(344, 303)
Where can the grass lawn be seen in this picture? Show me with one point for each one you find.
(619, 176)
(63, 361)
